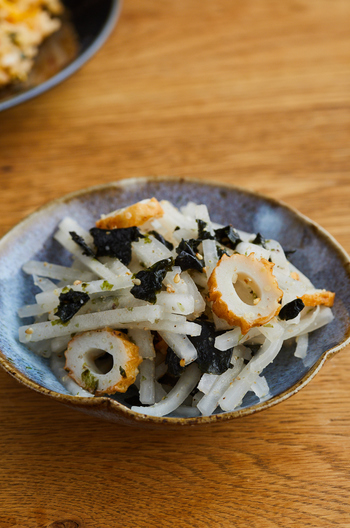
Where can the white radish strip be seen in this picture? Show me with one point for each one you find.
(199, 303)
(59, 344)
(161, 369)
(43, 283)
(220, 324)
(185, 234)
(149, 250)
(210, 256)
(200, 279)
(31, 310)
(202, 213)
(115, 266)
(291, 288)
(260, 387)
(173, 218)
(144, 340)
(95, 321)
(101, 286)
(206, 382)
(191, 329)
(176, 302)
(181, 345)
(228, 339)
(147, 382)
(210, 401)
(272, 330)
(180, 285)
(324, 317)
(239, 388)
(246, 248)
(277, 255)
(302, 277)
(90, 262)
(42, 349)
(57, 366)
(54, 271)
(160, 393)
(267, 353)
(303, 327)
(244, 236)
(302, 344)
(243, 352)
(176, 396)
(69, 224)
(197, 398)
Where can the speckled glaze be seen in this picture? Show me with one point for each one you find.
(318, 256)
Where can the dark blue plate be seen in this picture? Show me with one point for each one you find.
(317, 255)
(91, 21)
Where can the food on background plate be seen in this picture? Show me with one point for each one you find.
(24, 25)
(168, 310)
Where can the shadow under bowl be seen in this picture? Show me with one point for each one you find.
(317, 255)
(84, 30)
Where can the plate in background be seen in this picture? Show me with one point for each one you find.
(83, 32)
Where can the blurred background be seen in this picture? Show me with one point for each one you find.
(255, 93)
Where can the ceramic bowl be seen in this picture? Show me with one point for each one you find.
(84, 30)
(317, 255)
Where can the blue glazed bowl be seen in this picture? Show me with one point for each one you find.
(317, 255)
(91, 21)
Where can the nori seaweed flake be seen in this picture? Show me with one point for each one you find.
(115, 243)
(291, 310)
(186, 256)
(161, 239)
(173, 362)
(81, 242)
(202, 233)
(151, 280)
(70, 304)
(227, 236)
(210, 360)
(259, 240)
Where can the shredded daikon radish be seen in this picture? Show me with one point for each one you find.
(109, 297)
(187, 382)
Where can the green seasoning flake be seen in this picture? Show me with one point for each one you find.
(65, 289)
(122, 371)
(89, 380)
(268, 326)
(59, 322)
(106, 286)
(147, 240)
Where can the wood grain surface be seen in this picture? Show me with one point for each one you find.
(252, 92)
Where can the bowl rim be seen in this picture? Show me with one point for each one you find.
(75, 65)
(119, 409)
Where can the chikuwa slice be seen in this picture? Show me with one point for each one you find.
(244, 291)
(102, 361)
(134, 215)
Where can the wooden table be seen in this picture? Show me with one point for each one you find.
(253, 92)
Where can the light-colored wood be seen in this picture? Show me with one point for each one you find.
(253, 92)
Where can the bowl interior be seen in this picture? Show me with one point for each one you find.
(85, 27)
(316, 256)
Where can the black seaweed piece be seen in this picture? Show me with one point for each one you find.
(227, 236)
(220, 251)
(289, 252)
(81, 242)
(259, 240)
(291, 310)
(151, 280)
(186, 256)
(115, 243)
(210, 360)
(202, 233)
(70, 304)
(173, 362)
(161, 239)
